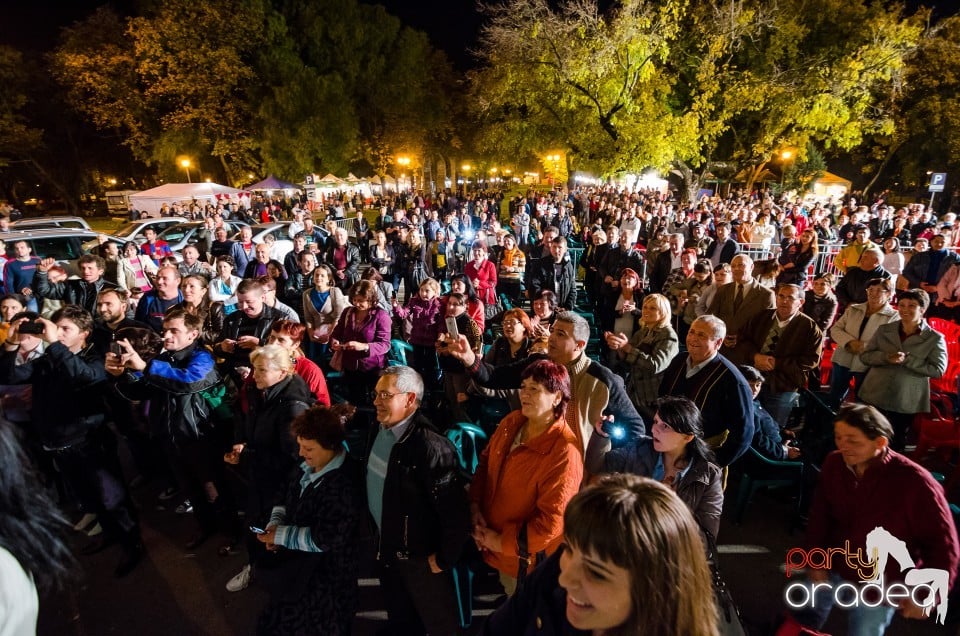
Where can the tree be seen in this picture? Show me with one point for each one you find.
(578, 78)
(925, 111)
(690, 84)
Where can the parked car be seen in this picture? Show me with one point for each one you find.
(279, 231)
(74, 222)
(182, 234)
(64, 244)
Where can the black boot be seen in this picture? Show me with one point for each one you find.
(132, 554)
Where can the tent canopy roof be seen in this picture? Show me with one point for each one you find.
(272, 183)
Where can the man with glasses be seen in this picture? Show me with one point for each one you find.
(783, 344)
(419, 506)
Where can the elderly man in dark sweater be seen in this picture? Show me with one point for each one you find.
(717, 388)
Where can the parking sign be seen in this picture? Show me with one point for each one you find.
(937, 181)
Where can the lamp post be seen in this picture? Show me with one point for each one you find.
(185, 164)
(784, 158)
(555, 163)
(466, 168)
(403, 161)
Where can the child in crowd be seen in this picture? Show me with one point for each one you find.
(455, 378)
(423, 313)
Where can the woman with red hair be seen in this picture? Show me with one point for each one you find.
(527, 473)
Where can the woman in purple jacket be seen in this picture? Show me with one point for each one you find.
(362, 340)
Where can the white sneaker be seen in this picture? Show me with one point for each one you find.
(240, 581)
(85, 521)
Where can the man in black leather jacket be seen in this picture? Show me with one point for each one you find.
(247, 328)
(81, 291)
(418, 502)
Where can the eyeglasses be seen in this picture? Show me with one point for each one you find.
(384, 395)
(507, 324)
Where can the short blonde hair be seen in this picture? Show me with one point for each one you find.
(430, 283)
(663, 304)
(273, 356)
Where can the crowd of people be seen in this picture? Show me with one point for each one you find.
(290, 400)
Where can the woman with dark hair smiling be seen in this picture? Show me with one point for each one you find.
(675, 455)
(527, 474)
(461, 284)
(632, 563)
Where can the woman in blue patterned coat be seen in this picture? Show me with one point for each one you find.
(311, 572)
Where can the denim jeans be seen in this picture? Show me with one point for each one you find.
(840, 383)
(779, 405)
(861, 620)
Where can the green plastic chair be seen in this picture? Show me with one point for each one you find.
(759, 472)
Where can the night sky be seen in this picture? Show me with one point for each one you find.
(452, 25)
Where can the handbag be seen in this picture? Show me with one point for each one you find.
(523, 553)
(336, 362)
(728, 615)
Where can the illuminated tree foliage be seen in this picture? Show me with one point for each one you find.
(925, 112)
(671, 82)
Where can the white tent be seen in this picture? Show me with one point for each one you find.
(150, 201)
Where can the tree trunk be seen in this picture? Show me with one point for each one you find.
(755, 172)
(691, 181)
(68, 198)
(876, 175)
(227, 170)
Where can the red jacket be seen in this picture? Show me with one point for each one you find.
(895, 493)
(532, 484)
(484, 279)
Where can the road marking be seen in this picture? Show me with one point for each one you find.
(735, 548)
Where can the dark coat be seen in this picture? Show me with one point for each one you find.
(67, 392)
(852, 288)
(316, 592)
(425, 509)
(538, 609)
(352, 272)
(237, 323)
(73, 291)
(565, 286)
(728, 249)
(271, 451)
(797, 351)
(766, 435)
(172, 382)
(701, 487)
(723, 396)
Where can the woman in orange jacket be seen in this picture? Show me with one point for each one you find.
(527, 473)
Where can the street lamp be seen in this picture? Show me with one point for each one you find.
(555, 161)
(466, 176)
(185, 164)
(785, 156)
(403, 161)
